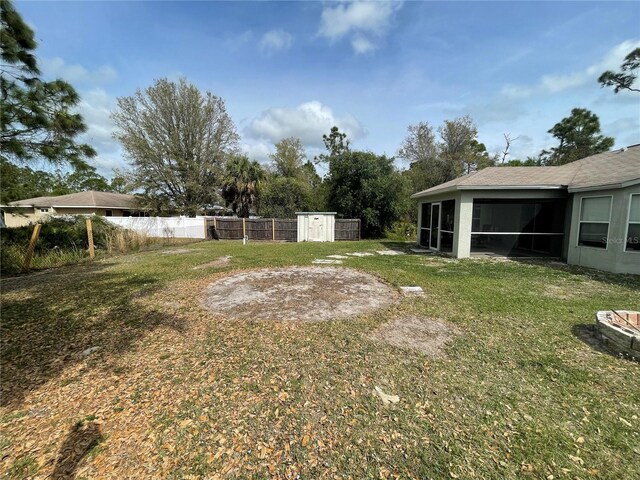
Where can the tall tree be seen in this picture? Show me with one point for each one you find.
(80, 179)
(242, 179)
(293, 184)
(435, 159)
(177, 140)
(18, 183)
(626, 77)
(578, 136)
(366, 186)
(336, 143)
(36, 119)
(460, 151)
(420, 148)
(289, 158)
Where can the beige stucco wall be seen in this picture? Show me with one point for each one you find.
(614, 258)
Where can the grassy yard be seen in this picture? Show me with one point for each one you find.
(174, 391)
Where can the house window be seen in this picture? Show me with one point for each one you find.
(595, 214)
(44, 210)
(633, 227)
(108, 213)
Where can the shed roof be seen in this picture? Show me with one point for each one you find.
(614, 169)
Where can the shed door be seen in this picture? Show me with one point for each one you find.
(316, 229)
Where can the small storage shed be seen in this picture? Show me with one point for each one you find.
(316, 226)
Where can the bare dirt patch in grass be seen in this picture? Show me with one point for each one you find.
(217, 263)
(179, 251)
(298, 293)
(414, 332)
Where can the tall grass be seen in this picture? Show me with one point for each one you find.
(63, 241)
(121, 241)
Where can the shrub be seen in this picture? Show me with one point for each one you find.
(63, 240)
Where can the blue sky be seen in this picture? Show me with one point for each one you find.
(295, 69)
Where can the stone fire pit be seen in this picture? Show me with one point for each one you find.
(621, 328)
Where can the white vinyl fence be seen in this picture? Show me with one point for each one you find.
(166, 227)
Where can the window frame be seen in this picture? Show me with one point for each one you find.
(580, 222)
(44, 210)
(629, 222)
(421, 223)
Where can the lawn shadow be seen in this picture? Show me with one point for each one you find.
(82, 438)
(588, 334)
(49, 321)
(620, 279)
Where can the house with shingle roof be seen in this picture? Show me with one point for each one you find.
(586, 212)
(106, 204)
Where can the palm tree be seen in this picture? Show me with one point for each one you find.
(242, 178)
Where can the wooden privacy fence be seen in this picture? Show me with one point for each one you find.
(347, 229)
(285, 229)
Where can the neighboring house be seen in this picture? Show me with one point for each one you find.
(586, 212)
(107, 204)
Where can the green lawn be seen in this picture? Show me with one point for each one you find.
(175, 391)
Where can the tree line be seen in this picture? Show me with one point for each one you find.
(184, 157)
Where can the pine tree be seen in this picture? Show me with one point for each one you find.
(36, 119)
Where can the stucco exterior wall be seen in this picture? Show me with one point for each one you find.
(614, 258)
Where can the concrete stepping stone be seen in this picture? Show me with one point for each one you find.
(390, 252)
(420, 250)
(411, 290)
(324, 261)
(361, 254)
(339, 257)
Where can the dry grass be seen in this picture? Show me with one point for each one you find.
(176, 391)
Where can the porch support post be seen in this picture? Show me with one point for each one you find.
(462, 229)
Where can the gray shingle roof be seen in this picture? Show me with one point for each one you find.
(614, 169)
(83, 199)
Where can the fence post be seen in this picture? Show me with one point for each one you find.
(206, 233)
(244, 227)
(273, 228)
(32, 245)
(92, 252)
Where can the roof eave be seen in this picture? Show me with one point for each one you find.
(96, 206)
(605, 186)
(427, 193)
(512, 187)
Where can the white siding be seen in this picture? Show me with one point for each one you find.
(316, 227)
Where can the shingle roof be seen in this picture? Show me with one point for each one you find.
(614, 169)
(83, 199)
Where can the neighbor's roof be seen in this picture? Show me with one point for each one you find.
(81, 200)
(614, 169)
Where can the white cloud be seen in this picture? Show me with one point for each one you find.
(308, 122)
(343, 18)
(357, 19)
(258, 150)
(554, 83)
(95, 107)
(57, 67)
(361, 45)
(276, 40)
